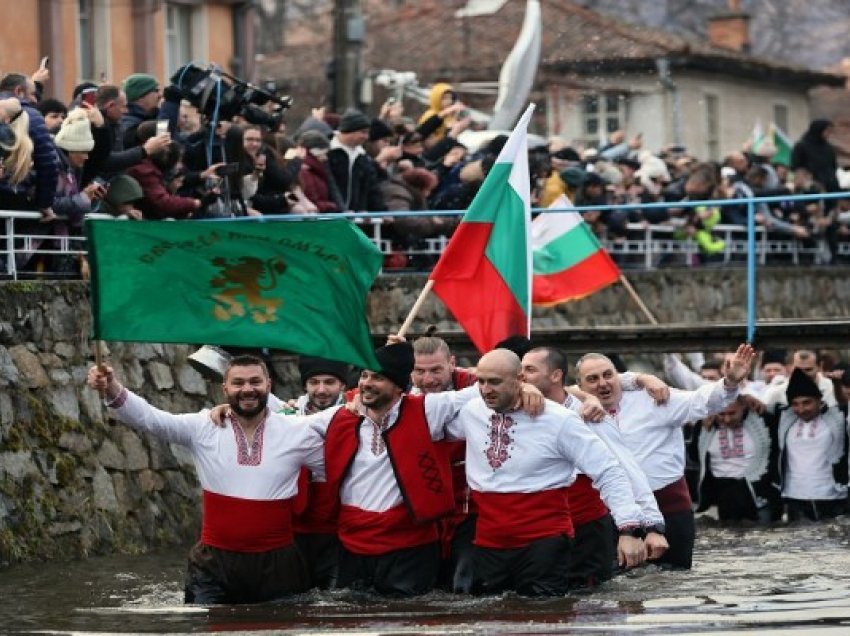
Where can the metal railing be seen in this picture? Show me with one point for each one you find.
(645, 246)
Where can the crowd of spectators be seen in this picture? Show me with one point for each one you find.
(139, 150)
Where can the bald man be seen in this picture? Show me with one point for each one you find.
(518, 469)
(653, 434)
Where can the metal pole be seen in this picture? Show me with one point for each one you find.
(751, 271)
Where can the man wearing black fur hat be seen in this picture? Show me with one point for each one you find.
(392, 483)
(810, 453)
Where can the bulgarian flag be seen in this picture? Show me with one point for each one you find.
(569, 262)
(484, 274)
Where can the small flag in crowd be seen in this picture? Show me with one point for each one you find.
(484, 274)
(300, 287)
(569, 261)
(776, 136)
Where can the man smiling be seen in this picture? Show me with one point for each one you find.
(248, 470)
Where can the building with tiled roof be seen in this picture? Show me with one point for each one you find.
(598, 73)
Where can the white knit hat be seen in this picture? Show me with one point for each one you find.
(75, 134)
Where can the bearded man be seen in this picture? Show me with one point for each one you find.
(248, 470)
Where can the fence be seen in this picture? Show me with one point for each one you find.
(646, 247)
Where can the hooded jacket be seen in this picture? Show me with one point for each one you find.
(815, 154)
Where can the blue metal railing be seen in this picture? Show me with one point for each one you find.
(76, 245)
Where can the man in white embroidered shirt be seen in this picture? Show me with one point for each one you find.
(653, 434)
(248, 470)
(518, 468)
(810, 445)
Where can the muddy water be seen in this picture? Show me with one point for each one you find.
(758, 580)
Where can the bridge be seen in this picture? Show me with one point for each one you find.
(777, 334)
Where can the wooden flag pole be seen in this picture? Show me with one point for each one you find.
(415, 309)
(98, 360)
(637, 299)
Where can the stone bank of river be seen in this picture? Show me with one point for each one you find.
(751, 580)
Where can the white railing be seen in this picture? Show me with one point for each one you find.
(646, 247)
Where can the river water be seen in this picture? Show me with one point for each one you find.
(752, 580)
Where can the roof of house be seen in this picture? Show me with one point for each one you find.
(574, 40)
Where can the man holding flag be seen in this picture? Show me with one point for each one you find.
(248, 470)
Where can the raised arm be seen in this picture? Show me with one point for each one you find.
(136, 412)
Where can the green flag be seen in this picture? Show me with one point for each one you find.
(298, 286)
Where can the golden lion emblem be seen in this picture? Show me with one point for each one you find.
(240, 282)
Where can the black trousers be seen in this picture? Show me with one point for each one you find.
(734, 501)
(321, 552)
(456, 571)
(594, 553)
(814, 509)
(680, 534)
(216, 576)
(538, 569)
(405, 572)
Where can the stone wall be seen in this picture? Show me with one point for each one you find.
(73, 483)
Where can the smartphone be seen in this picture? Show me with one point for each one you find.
(227, 170)
(45, 61)
(161, 126)
(88, 96)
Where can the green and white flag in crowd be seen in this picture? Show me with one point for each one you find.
(297, 286)
(776, 136)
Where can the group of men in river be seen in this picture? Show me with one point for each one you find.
(498, 478)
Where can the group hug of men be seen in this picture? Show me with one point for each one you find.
(477, 481)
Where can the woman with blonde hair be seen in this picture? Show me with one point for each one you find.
(18, 160)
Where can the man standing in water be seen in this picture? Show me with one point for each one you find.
(248, 470)
(653, 434)
(519, 468)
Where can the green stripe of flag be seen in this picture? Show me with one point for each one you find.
(566, 251)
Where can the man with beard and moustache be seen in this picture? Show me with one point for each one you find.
(653, 434)
(392, 482)
(314, 521)
(593, 551)
(248, 470)
(518, 469)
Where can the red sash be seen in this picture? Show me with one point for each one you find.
(246, 525)
(585, 503)
(515, 519)
(376, 533)
(674, 497)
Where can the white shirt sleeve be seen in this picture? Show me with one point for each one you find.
(609, 433)
(592, 457)
(138, 413)
(690, 406)
(441, 408)
(680, 374)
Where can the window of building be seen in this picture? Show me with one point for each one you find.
(85, 37)
(780, 116)
(178, 36)
(602, 113)
(712, 126)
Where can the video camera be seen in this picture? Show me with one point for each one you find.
(219, 96)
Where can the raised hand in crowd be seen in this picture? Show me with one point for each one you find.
(736, 368)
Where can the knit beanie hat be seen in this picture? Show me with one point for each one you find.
(396, 362)
(420, 178)
(379, 130)
(801, 385)
(138, 85)
(573, 177)
(75, 134)
(310, 366)
(122, 189)
(313, 139)
(773, 356)
(353, 120)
